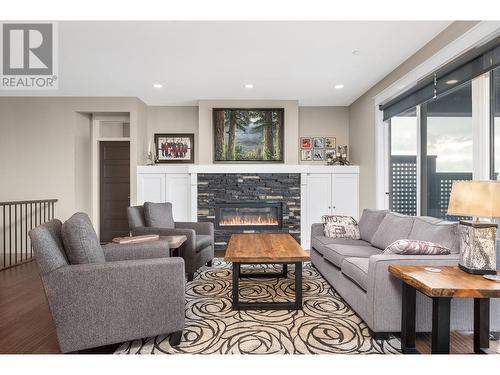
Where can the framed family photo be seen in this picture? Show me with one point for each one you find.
(174, 148)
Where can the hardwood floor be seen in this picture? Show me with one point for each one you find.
(26, 325)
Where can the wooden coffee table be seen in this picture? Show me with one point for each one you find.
(450, 283)
(265, 248)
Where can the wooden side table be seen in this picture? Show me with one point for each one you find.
(174, 242)
(450, 283)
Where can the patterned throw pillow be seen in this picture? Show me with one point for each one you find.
(414, 247)
(337, 226)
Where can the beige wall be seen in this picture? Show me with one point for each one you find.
(324, 122)
(43, 147)
(312, 121)
(362, 112)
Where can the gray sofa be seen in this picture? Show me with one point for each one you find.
(197, 251)
(110, 294)
(357, 270)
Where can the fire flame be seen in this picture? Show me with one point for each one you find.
(239, 220)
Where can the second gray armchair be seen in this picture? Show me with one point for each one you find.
(157, 218)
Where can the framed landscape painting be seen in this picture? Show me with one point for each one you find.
(248, 135)
(174, 148)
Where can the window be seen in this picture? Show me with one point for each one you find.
(403, 163)
(446, 138)
(495, 110)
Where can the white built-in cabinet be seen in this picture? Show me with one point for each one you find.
(167, 187)
(324, 190)
(329, 194)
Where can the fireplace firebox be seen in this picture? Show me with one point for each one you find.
(240, 216)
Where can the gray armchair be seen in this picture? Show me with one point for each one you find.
(126, 292)
(157, 218)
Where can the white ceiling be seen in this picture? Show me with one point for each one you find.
(214, 60)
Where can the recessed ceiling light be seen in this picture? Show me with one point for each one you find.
(355, 52)
(451, 81)
(249, 86)
(157, 85)
(339, 86)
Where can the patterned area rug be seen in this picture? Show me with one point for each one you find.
(325, 325)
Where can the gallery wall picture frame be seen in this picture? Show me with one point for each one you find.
(318, 142)
(330, 143)
(174, 148)
(318, 154)
(306, 155)
(305, 143)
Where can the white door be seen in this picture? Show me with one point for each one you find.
(345, 194)
(151, 188)
(178, 192)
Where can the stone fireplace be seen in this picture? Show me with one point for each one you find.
(237, 203)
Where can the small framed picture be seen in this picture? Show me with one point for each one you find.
(319, 142)
(305, 142)
(306, 155)
(174, 148)
(330, 142)
(318, 155)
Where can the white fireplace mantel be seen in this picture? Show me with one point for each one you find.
(247, 168)
(323, 189)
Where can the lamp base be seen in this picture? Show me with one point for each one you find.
(476, 271)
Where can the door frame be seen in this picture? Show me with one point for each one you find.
(95, 129)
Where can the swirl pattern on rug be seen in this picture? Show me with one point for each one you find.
(325, 325)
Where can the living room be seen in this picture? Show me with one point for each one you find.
(248, 185)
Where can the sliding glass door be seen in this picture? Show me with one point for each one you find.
(446, 148)
(403, 163)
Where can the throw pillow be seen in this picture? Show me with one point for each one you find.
(80, 240)
(158, 215)
(414, 247)
(337, 226)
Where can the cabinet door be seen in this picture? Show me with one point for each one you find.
(151, 188)
(345, 194)
(178, 192)
(319, 195)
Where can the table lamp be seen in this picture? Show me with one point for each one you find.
(479, 199)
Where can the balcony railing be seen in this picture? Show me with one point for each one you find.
(16, 220)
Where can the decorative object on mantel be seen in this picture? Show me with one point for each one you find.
(174, 148)
(151, 155)
(248, 134)
(338, 157)
(477, 238)
(136, 239)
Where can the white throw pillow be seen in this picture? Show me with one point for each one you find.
(414, 247)
(337, 226)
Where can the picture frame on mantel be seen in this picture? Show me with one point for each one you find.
(174, 148)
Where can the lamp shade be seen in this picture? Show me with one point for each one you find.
(475, 198)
